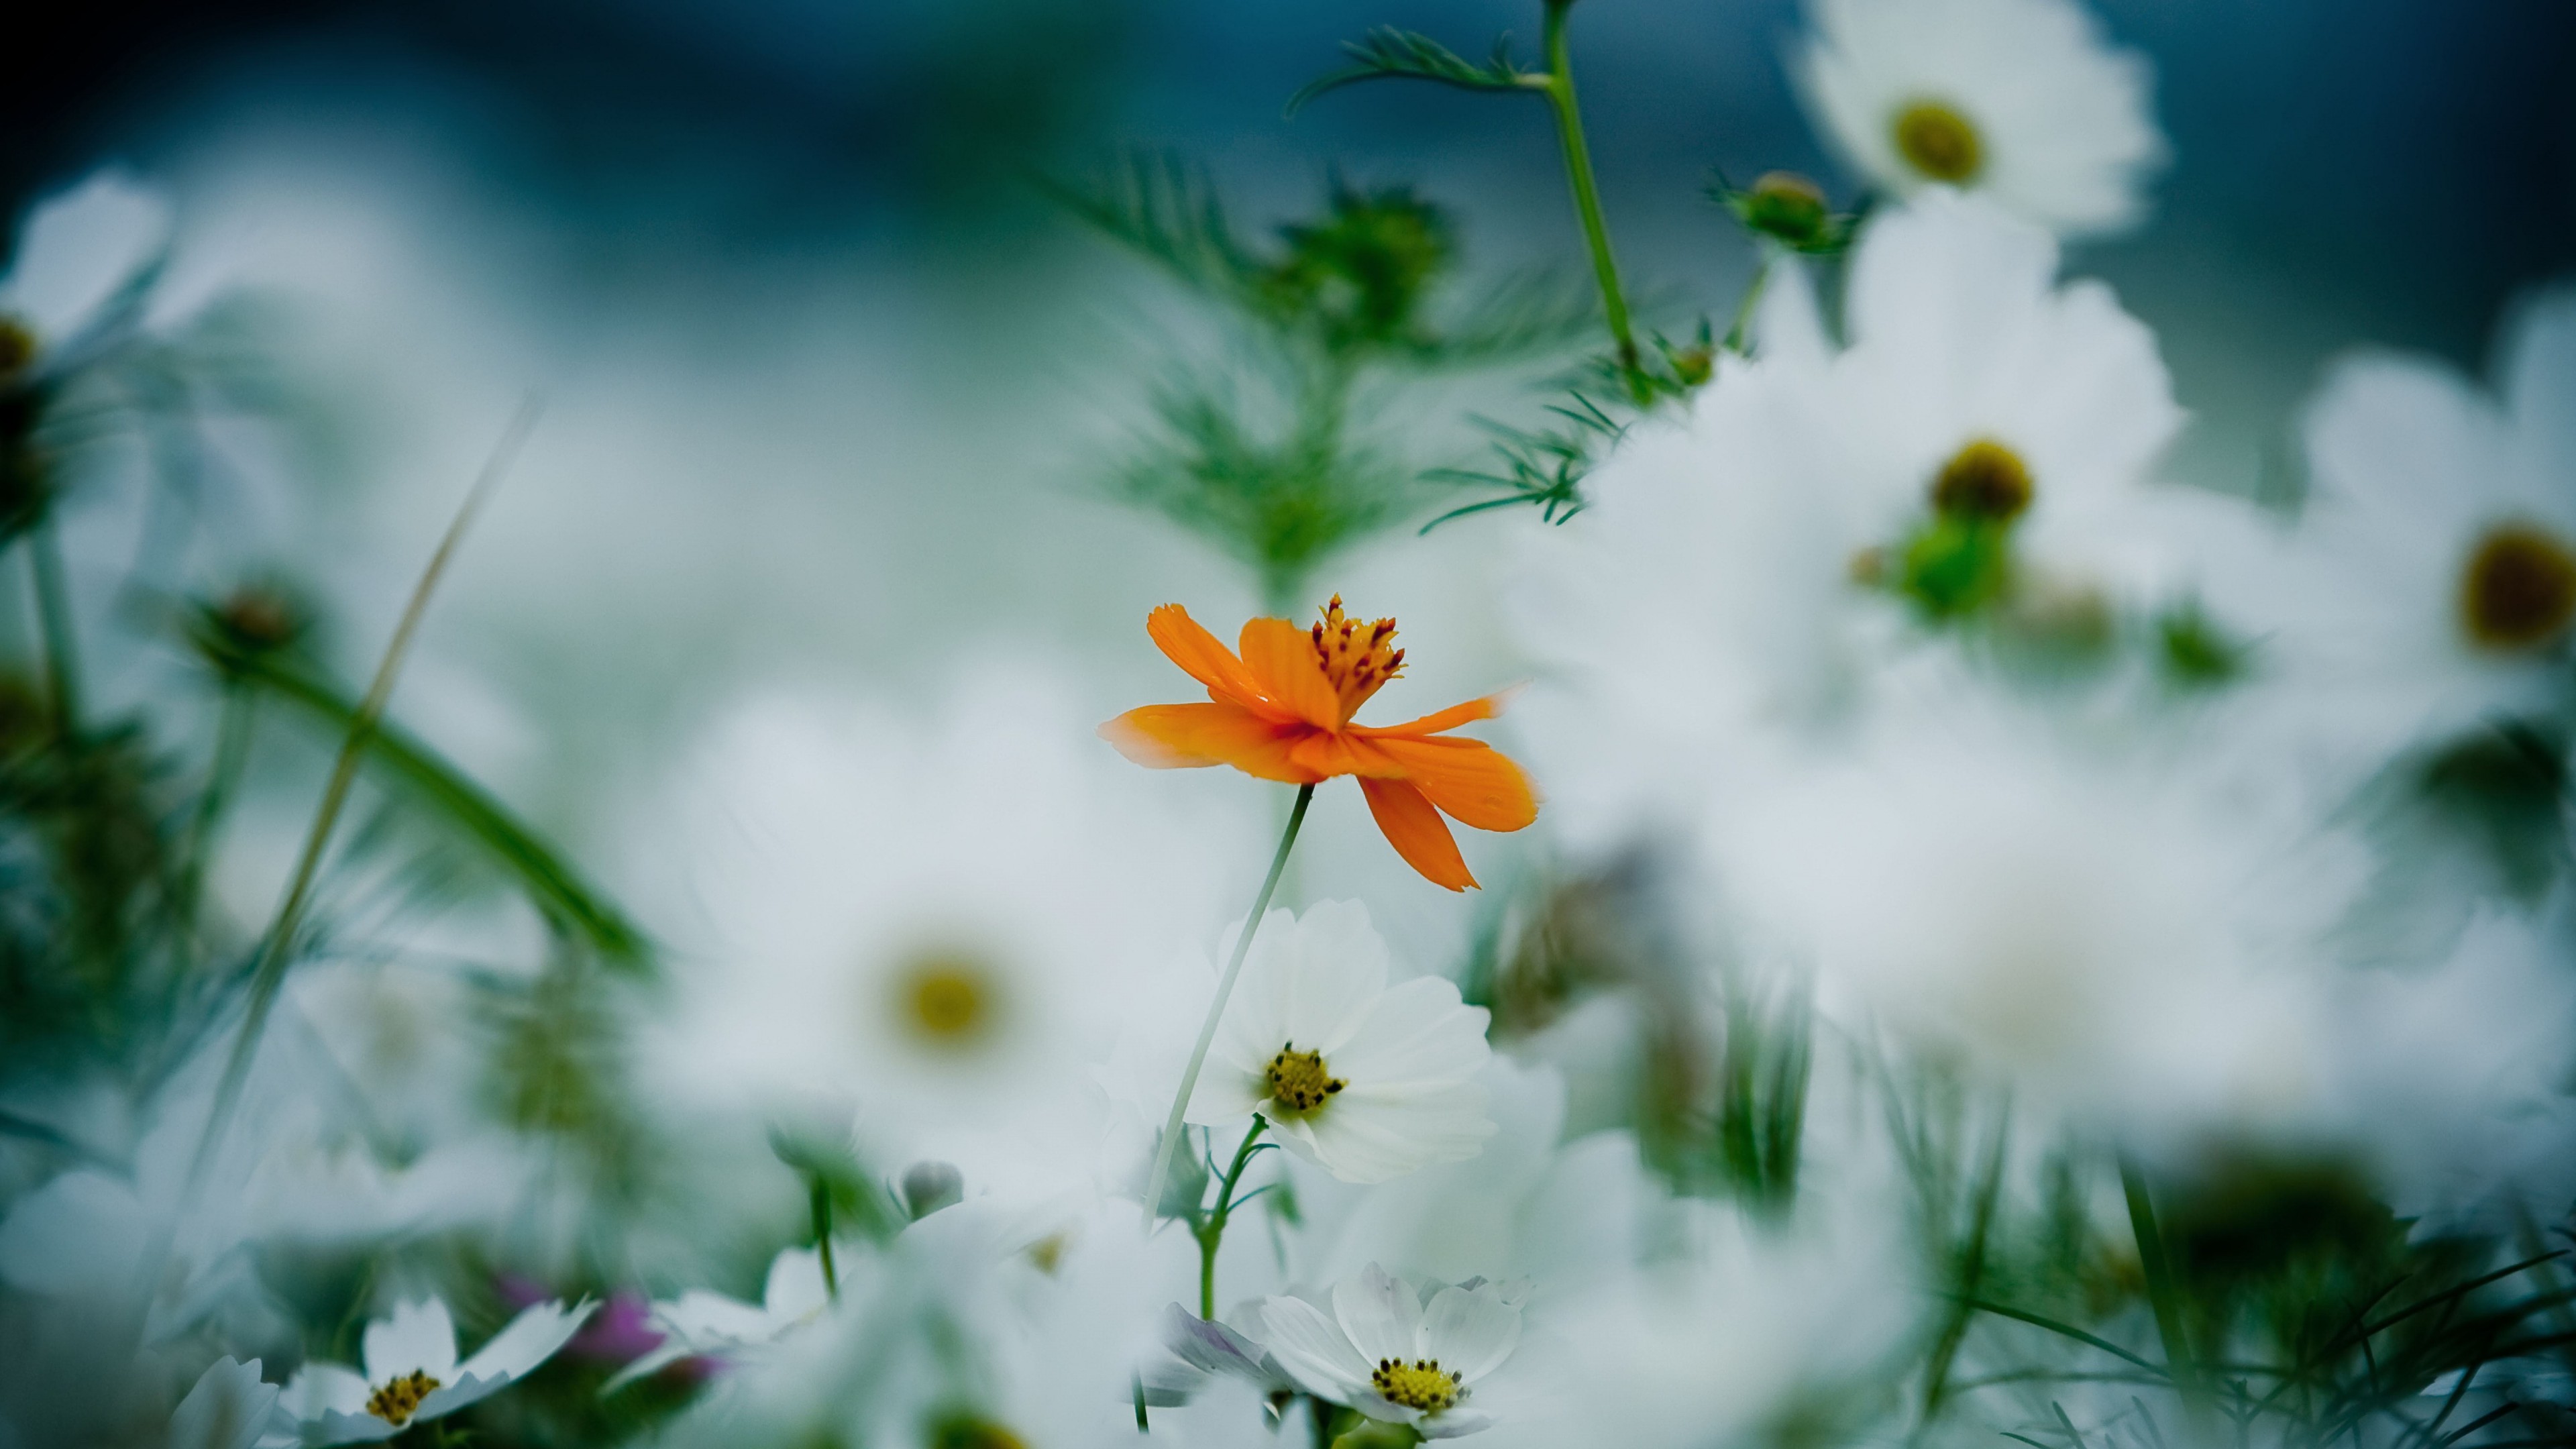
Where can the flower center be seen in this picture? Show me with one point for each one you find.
(966, 1431)
(1299, 1085)
(1939, 142)
(2519, 590)
(1357, 657)
(947, 999)
(1984, 480)
(396, 1402)
(1416, 1385)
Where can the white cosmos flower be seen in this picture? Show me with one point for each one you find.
(1368, 1081)
(2430, 582)
(2020, 100)
(938, 914)
(412, 1374)
(1396, 1351)
(703, 1323)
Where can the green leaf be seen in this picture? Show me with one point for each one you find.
(551, 882)
(1167, 211)
(1387, 53)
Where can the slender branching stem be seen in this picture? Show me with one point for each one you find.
(1162, 1170)
(54, 626)
(1559, 82)
(2163, 1294)
(276, 946)
(1212, 1232)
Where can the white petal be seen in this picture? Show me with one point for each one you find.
(1313, 1351)
(230, 1408)
(1381, 1315)
(1471, 1332)
(1418, 1032)
(78, 248)
(419, 1338)
(527, 1341)
(358, 1428)
(1454, 1424)
(795, 1287)
(324, 1388)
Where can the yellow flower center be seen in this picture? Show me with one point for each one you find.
(1939, 142)
(1983, 481)
(17, 347)
(2519, 590)
(966, 1431)
(1416, 1385)
(1357, 657)
(947, 999)
(1299, 1085)
(396, 1402)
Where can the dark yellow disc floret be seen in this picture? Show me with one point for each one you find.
(1940, 143)
(1417, 1385)
(2519, 589)
(397, 1401)
(1299, 1085)
(1983, 482)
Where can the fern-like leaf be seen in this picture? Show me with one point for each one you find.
(1390, 54)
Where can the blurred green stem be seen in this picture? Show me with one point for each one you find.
(232, 753)
(821, 1198)
(1162, 1170)
(2163, 1295)
(1559, 86)
(1212, 1232)
(277, 946)
(54, 621)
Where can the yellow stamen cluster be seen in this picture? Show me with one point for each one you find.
(1937, 141)
(1417, 1385)
(396, 1402)
(2519, 589)
(1299, 1085)
(1357, 658)
(946, 998)
(1984, 481)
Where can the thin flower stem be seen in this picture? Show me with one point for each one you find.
(1162, 1172)
(1213, 1233)
(821, 1198)
(54, 622)
(232, 753)
(270, 974)
(1578, 174)
(2162, 1293)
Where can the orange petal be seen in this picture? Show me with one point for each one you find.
(1187, 644)
(1417, 832)
(1447, 719)
(1282, 657)
(1328, 753)
(1185, 736)
(1470, 780)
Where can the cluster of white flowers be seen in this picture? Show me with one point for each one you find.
(1994, 822)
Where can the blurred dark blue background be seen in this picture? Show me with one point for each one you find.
(2347, 170)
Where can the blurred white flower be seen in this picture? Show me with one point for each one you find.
(230, 1407)
(2021, 100)
(1396, 1351)
(2131, 937)
(941, 917)
(701, 1323)
(2430, 582)
(412, 1375)
(1368, 1081)
(78, 257)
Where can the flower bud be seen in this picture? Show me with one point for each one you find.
(930, 1186)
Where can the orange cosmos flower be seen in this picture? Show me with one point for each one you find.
(1281, 710)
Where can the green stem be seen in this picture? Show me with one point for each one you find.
(821, 1200)
(1162, 1171)
(1212, 1232)
(2162, 1294)
(275, 949)
(232, 753)
(1578, 173)
(54, 619)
